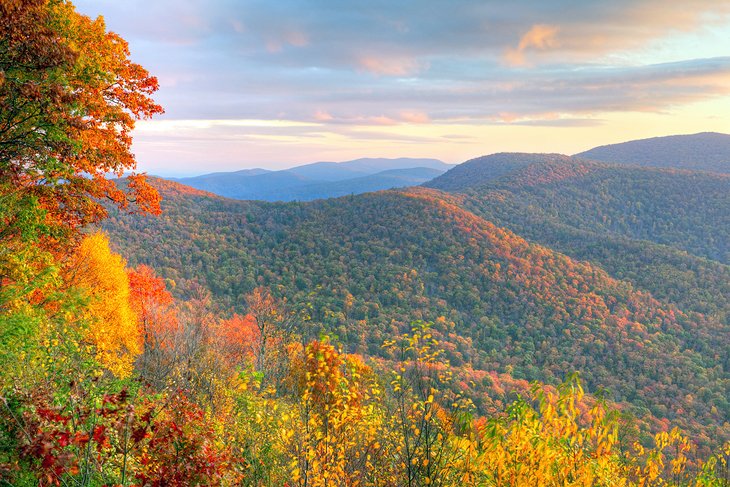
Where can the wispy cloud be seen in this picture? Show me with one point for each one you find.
(334, 66)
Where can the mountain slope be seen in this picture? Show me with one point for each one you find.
(656, 228)
(686, 210)
(707, 151)
(366, 266)
(319, 180)
(481, 170)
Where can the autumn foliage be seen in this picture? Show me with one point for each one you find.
(110, 321)
(106, 379)
(69, 97)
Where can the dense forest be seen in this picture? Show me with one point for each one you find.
(365, 266)
(707, 151)
(666, 231)
(152, 334)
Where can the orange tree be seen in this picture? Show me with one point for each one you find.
(69, 98)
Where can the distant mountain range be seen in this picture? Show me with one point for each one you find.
(706, 151)
(319, 180)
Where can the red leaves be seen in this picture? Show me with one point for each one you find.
(100, 437)
(166, 441)
(50, 414)
(139, 434)
(181, 449)
(56, 440)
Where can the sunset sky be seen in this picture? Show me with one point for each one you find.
(279, 83)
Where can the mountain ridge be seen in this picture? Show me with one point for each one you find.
(317, 180)
(706, 151)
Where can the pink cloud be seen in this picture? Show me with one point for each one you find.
(381, 120)
(322, 116)
(384, 66)
(540, 37)
(414, 117)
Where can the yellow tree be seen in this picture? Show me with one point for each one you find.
(112, 324)
(561, 443)
(424, 413)
(567, 440)
(336, 436)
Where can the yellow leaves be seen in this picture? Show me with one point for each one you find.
(552, 445)
(112, 325)
(669, 448)
(337, 427)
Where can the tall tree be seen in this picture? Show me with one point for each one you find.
(273, 324)
(69, 97)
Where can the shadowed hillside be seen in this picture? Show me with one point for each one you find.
(664, 230)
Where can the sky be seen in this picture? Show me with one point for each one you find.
(274, 84)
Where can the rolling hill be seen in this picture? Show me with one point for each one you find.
(683, 209)
(666, 231)
(707, 151)
(365, 266)
(318, 180)
(482, 170)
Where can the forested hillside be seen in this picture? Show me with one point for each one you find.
(666, 231)
(707, 151)
(365, 266)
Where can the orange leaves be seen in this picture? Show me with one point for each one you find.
(147, 290)
(152, 303)
(69, 97)
(236, 339)
(144, 195)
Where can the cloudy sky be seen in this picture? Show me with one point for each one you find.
(263, 83)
